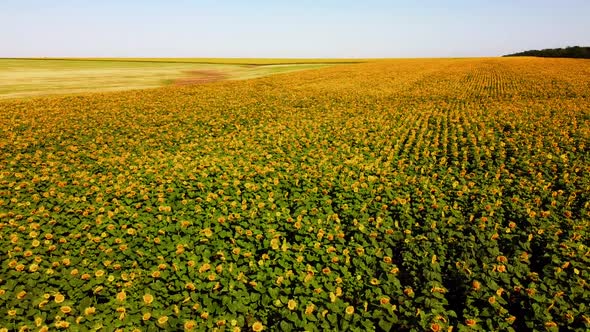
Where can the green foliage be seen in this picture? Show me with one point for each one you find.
(568, 52)
(402, 195)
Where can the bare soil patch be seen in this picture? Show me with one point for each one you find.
(201, 77)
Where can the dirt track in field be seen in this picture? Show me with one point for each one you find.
(200, 77)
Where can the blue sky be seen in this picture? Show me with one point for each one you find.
(300, 28)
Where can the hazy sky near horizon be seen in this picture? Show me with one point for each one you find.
(302, 28)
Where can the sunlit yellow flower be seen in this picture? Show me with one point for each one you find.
(66, 309)
(291, 304)
(435, 327)
(476, 285)
(89, 311)
(146, 316)
(409, 291)
(42, 304)
(349, 310)
(309, 309)
(207, 232)
(205, 267)
(257, 327)
(62, 324)
(148, 299)
(190, 324)
(121, 296)
(21, 295)
(59, 298)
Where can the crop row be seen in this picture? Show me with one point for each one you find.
(393, 195)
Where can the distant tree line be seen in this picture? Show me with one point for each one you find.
(568, 52)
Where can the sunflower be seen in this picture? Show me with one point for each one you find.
(292, 304)
(435, 327)
(163, 320)
(62, 324)
(205, 267)
(476, 285)
(121, 296)
(257, 327)
(59, 298)
(21, 295)
(148, 299)
(349, 310)
(66, 309)
(190, 324)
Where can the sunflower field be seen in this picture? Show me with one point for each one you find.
(393, 195)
